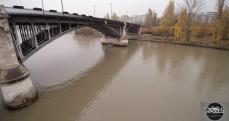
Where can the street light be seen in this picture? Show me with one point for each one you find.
(62, 7)
(111, 8)
(94, 10)
(43, 6)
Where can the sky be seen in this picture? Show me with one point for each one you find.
(121, 7)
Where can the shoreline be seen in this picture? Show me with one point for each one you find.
(152, 38)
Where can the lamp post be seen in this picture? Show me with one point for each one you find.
(94, 9)
(111, 9)
(43, 6)
(62, 7)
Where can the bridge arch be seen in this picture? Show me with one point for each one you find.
(31, 37)
(32, 29)
(105, 30)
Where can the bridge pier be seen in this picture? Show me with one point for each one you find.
(122, 41)
(15, 83)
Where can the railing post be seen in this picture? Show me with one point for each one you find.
(60, 28)
(34, 36)
(47, 26)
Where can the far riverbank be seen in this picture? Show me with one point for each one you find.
(208, 44)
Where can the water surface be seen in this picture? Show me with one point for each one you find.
(85, 81)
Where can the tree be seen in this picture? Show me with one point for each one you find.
(151, 18)
(169, 18)
(225, 28)
(193, 8)
(220, 7)
(221, 26)
(222, 20)
(180, 27)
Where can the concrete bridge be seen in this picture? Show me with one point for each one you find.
(24, 31)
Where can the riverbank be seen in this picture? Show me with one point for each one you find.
(198, 42)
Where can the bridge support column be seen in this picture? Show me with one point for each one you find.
(15, 83)
(140, 31)
(122, 41)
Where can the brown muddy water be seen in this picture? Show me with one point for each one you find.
(81, 80)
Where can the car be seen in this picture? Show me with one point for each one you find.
(37, 9)
(65, 12)
(53, 11)
(83, 15)
(18, 7)
(75, 14)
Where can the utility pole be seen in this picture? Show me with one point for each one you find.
(62, 7)
(111, 9)
(43, 6)
(127, 16)
(94, 10)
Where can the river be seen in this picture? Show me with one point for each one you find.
(78, 79)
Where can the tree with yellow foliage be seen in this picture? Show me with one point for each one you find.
(180, 27)
(169, 19)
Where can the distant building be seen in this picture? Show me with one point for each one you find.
(202, 17)
(138, 19)
(211, 16)
(124, 18)
(206, 17)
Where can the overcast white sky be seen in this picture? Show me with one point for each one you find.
(134, 7)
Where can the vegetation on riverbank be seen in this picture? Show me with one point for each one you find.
(88, 32)
(201, 43)
(186, 24)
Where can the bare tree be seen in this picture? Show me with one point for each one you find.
(221, 24)
(220, 6)
(193, 8)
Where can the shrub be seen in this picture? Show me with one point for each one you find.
(146, 31)
(201, 31)
(162, 31)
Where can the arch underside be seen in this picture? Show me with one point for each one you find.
(33, 38)
(106, 30)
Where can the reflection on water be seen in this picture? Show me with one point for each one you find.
(68, 56)
(144, 82)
